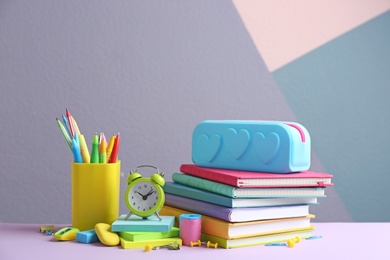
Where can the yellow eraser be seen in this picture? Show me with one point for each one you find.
(103, 231)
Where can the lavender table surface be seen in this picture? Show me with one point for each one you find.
(338, 241)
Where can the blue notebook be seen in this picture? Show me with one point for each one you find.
(138, 224)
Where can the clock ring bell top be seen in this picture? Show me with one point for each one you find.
(145, 196)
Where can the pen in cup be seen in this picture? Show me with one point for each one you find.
(84, 149)
(115, 149)
(102, 138)
(95, 149)
(76, 151)
(103, 152)
(70, 123)
(64, 133)
(66, 125)
(110, 146)
(76, 127)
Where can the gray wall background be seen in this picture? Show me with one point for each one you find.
(150, 70)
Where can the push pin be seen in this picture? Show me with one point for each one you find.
(290, 243)
(209, 244)
(196, 243)
(171, 246)
(199, 243)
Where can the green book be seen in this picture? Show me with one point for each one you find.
(138, 224)
(142, 236)
(203, 184)
(149, 244)
(258, 240)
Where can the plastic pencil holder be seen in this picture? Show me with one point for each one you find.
(95, 194)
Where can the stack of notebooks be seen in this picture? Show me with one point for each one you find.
(141, 233)
(243, 208)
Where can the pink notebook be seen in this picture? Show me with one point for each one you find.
(249, 179)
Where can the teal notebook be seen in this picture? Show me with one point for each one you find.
(138, 224)
(142, 236)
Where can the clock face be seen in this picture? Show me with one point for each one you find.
(144, 197)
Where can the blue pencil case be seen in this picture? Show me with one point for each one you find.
(265, 146)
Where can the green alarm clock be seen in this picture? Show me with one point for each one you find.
(145, 196)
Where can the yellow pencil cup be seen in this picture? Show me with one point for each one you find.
(95, 194)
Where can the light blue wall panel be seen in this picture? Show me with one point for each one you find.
(341, 93)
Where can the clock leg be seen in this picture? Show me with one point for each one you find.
(157, 215)
(128, 215)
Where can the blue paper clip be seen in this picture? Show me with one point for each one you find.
(313, 237)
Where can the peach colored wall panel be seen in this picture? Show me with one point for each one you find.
(285, 30)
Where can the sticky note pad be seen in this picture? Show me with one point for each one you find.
(138, 224)
(141, 236)
(87, 236)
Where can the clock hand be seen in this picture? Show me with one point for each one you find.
(144, 197)
(149, 193)
(140, 194)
